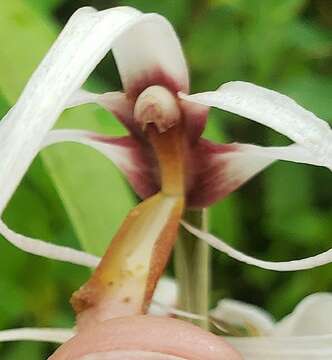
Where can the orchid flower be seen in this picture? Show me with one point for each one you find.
(305, 333)
(156, 85)
(167, 162)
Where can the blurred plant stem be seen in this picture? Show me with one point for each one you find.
(192, 268)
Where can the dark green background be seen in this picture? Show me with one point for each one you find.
(282, 214)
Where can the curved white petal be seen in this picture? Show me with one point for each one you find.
(115, 101)
(118, 153)
(294, 152)
(130, 355)
(282, 348)
(37, 334)
(51, 251)
(82, 97)
(239, 314)
(275, 110)
(125, 152)
(312, 316)
(294, 265)
(84, 41)
(148, 53)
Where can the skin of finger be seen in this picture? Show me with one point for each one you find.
(147, 333)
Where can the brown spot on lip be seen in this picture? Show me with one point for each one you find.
(127, 300)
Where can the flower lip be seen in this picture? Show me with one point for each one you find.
(157, 105)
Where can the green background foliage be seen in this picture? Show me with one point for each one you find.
(73, 196)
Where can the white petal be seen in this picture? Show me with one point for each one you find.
(294, 265)
(148, 49)
(165, 296)
(312, 316)
(51, 251)
(221, 169)
(274, 110)
(119, 154)
(85, 40)
(240, 314)
(37, 334)
(130, 355)
(81, 97)
(282, 348)
(114, 101)
(295, 153)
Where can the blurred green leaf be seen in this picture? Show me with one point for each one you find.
(310, 38)
(175, 11)
(312, 91)
(45, 6)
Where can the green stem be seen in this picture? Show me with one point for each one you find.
(192, 267)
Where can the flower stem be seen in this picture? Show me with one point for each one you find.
(192, 267)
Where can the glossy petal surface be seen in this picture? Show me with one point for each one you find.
(150, 54)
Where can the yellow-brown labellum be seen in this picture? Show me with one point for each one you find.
(124, 281)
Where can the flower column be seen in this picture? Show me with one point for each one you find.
(124, 281)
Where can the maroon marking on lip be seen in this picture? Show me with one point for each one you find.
(206, 176)
(154, 77)
(144, 176)
(208, 180)
(194, 117)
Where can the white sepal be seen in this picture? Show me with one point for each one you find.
(120, 155)
(312, 316)
(239, 314)
(274, 110)
(149, 49)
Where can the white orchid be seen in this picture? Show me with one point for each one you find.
(164, 157)
(154, 75)
(304, 334)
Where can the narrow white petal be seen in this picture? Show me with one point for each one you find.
(275, 110)
(85, 40)
(82, 97)
(247, 316)
(295, 153)
(37, 334)
(312, 316)
(120, 155)
(281, 348)
(114, 101)
(294, 265)
(147, 50)
(51, 251)
(130, 355)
